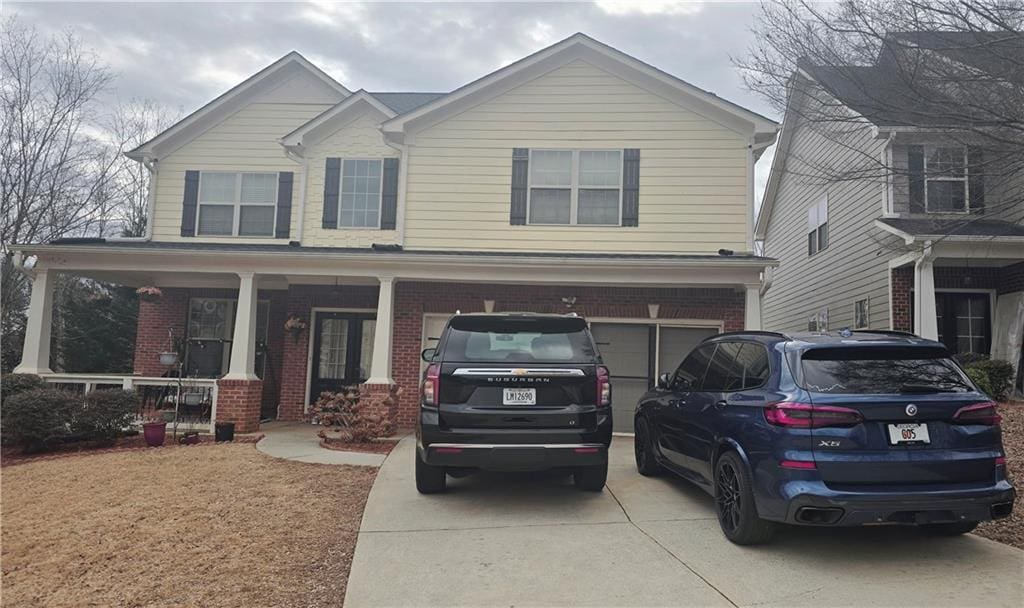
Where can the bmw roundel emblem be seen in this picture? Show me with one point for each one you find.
(911, 410)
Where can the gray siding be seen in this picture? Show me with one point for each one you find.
(854, 266)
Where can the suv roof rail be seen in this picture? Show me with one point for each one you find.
(755, 332)
(886, 332)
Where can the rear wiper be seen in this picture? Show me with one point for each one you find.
(926, 388)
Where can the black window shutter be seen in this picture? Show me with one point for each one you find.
(976, 179)
(189, 204)
(630, 187)
(389, 194)
(285, 179)
(520, 177)
(915, 173)
(332, 181)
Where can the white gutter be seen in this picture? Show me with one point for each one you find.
(767, 278)
(150, 166)
(303, 170)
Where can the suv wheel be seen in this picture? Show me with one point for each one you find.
(590, 479)
(429, 479)
(734, 503)
(643, 450)
(954, 529)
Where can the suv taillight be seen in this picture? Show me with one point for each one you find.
(604, 387)
(432, 385)
(807, 416)
(979, 413)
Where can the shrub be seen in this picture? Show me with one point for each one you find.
(38, 418)
(353, 421)
(12, 384)
(993, 376)
(105, 414)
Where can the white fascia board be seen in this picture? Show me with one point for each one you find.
(908, 239)
(778, 166)
(577, 46)
(229, 102)
(355, 103)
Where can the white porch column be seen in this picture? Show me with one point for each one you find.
(926, 322)
(380, 367)
(752, 316)
(243, 342)
(35, 353)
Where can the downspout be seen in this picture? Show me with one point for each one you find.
(767, 277)
(403, 171)
(303, 170)
(150, 166)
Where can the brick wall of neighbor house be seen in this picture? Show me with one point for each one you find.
(1004, 280)
(295, 356)
(412, 300)
(902, 307)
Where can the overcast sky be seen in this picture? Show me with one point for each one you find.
(185, 54)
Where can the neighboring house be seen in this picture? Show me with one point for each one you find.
(576, 180)
(930, 242)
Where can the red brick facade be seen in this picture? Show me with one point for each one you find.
(902, 307)
(1007, 279)
(284, 383)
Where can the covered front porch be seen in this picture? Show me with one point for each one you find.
(260, 331)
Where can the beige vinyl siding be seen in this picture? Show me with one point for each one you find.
(851, 267)
(360, 139)
(246, 141)
(693, 172)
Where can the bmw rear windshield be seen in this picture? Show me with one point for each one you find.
(519, 340)
(881, 370)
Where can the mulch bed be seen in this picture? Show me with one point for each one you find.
(218, 525)
(1011, 529)
(12, 455)
(374, 447)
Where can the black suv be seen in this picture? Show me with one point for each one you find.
(514, 392)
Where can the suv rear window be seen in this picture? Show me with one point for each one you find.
(881, 370)
(512, 339)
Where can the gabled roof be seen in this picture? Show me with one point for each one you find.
(231, 101)
(581, 46)
(911, 229)
(996, 53)
(353, 104)
(406, 101)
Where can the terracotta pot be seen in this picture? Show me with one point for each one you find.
(155, 433)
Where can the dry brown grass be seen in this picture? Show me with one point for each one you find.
(183, 526)
(1011, 529)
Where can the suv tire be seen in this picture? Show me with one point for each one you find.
(643, 451)
(429, 479)
(590, 479)
(952, 529)
(734, 503)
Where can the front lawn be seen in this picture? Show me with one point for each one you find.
(216, 525)
(1011, 529)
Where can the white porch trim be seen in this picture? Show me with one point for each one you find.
(35, 352)
(752, 308)
(243, 342)
(380, 367)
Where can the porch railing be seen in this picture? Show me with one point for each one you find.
(196, 412)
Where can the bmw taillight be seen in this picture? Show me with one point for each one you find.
(604, 387)
(807, 416)
(432, 385)
(979, 413)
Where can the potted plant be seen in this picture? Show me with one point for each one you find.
(148, 293)
(295, 325)
(154, 431)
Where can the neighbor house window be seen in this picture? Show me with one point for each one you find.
(818, 321)
(236, 204)
(360, 193)
(817, 226)
(946, 182)
(575, 187)
(861, 318)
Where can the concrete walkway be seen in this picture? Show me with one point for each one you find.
(298, 441)
(533, 540)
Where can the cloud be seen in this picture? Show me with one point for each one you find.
(649, 7)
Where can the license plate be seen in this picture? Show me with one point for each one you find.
(519, 396)
(908, 433)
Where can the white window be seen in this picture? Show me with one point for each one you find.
(236, 204)
(818, 321)
(817, 226)
(360, 193)
(946, 184)
(575, 187)
(861, 314)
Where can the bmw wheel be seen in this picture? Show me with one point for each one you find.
(734, 503)
(643, 449)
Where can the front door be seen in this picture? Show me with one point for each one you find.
(342, 351)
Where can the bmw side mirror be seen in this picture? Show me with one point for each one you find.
(428, 354)
(663, 381)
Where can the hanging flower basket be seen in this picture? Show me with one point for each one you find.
(295, 325)
(149, 293)
(168, 358)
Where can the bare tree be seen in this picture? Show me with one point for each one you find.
(949, 69)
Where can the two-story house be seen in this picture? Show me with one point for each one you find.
(305, 237)
(886, 214)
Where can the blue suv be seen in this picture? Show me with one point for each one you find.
(840, 429)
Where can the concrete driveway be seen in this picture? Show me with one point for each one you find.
(533, 540)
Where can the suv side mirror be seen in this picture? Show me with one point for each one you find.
(663, 381)
(428, 354)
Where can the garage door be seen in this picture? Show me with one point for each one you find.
(635, 354)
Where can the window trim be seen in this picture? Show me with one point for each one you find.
(816, 248)
(236, 206)
(380, 194)
(966, 179)
(867, 313)
(574, 186)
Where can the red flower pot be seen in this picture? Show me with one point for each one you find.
(154, 432)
